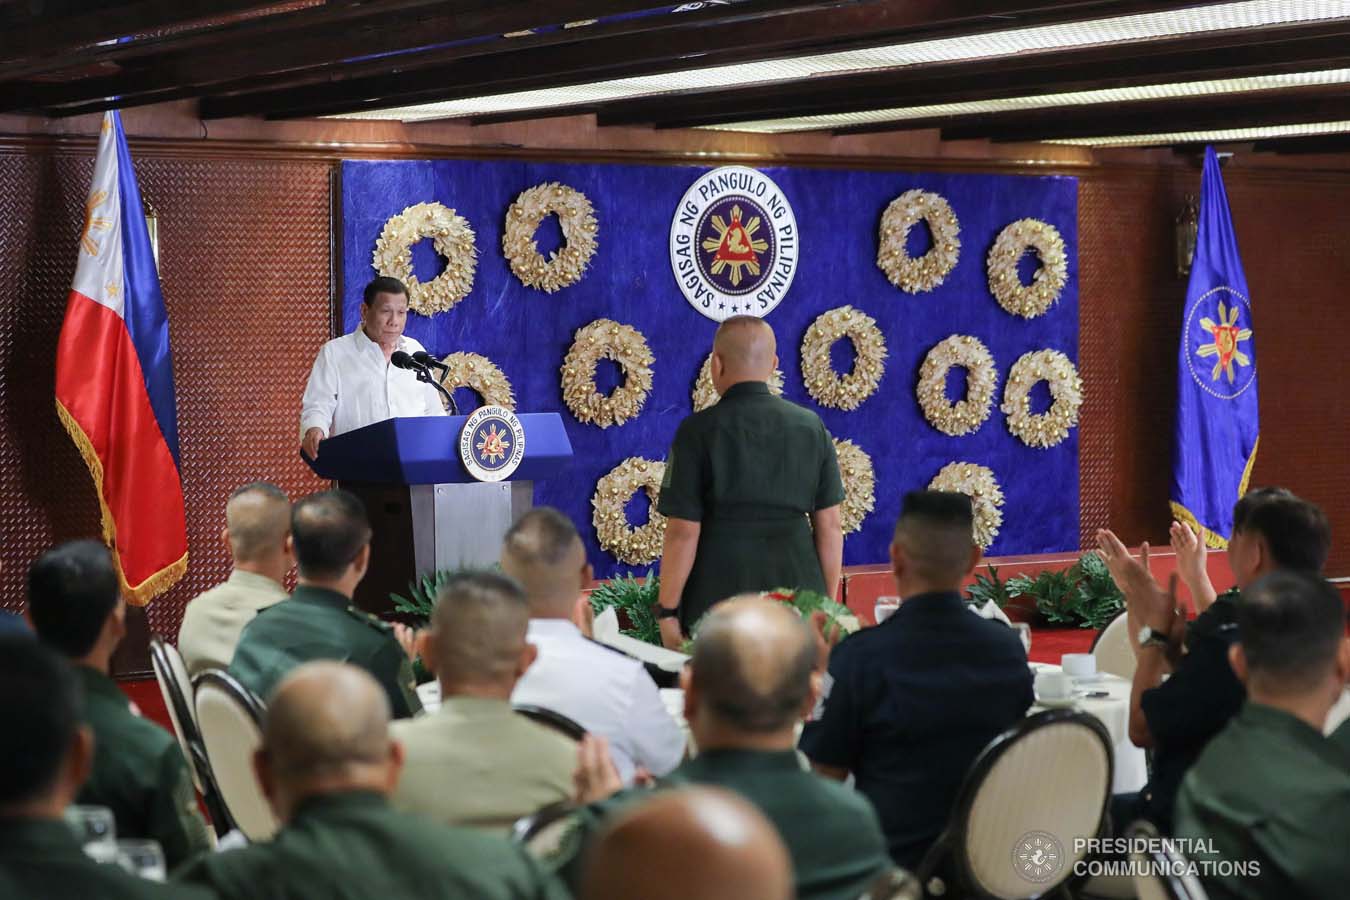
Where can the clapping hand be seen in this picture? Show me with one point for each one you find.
(407, 639)
(1190, 552)
(1131, 575)
(596, 777)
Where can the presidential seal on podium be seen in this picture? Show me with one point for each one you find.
(492, 443)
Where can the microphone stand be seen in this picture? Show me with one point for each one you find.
(424, 375)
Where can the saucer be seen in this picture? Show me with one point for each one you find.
(1056, 702)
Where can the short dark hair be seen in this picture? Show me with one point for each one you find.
(542, 535)
(329, 529)
(1296, 531)
(42, 706)
(480, 622)
(722, 682)
(1290, 625)
(72, 589)
(382, 285)
(938, 530)
(265, 488)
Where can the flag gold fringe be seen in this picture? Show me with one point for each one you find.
(1182, 514)
(140, 594)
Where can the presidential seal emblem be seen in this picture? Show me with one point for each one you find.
(492, 443)
(734, 244)
(1219, 343)
(1038, 856)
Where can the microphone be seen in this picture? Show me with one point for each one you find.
(426, 360)
(403, 361)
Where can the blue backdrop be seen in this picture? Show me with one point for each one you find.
(527, 332)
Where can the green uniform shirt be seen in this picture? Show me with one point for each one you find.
(750, 469)
(1272, 791)
(139, 773)
(832, 834)
(316, 623)
(40, 858)
(354, 846)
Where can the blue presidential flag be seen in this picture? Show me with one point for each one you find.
(1217, 425)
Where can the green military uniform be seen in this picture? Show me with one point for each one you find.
(750, 469)
(353, 846)
(832, 834)
(1270, 790)
(40, 858)
(321, 624)
(139, 773)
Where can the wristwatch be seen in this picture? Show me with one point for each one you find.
(1150, 637)
(666, 612)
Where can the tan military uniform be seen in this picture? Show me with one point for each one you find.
(478, 763)
(213, 621)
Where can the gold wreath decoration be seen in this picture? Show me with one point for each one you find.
(965, 415)
(607, 339)
(634, 546)
(1066, 389)
(576, 217)
(979, 484)
(479, 374)
(923, 273)
(1028, 300)
(453, 238)
(705, 395)
(860, 483)
(822, 382)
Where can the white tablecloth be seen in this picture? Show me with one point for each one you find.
(1131, 767)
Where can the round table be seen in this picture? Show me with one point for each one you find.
(1113, 711)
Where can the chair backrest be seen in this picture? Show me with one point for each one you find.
(894, 884)
(1112, 647)
(1034, 790)
(230, 718)
(551, 719)
(1160, 871)
(551, 834)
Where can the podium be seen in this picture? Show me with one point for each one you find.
(426, 511)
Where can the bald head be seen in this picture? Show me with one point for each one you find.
(752, 665)
(690, 842)
(257, 520)
(327, 721)
(478, 631)
(744, 350)
(543, 553)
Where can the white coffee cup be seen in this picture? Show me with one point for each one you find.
(1079, 665)
(1052, 685)
(884, 608)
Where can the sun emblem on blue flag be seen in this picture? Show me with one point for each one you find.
(493, 444)
(1226, 337)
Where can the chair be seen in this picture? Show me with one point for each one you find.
(176, 688)
(551, 719)
(230, 718)
(1112, 647)
(894, 884)
(1029, 794)
(1161, 872)
(552, 835)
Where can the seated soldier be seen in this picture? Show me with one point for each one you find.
(327, 766)
(46, 753)
(751, 680)
(688, 842)
(258, 533)
(1180, 700)
(139, 769)
(332, 550)
(1270, 792)
(475, 761)
(909, 704)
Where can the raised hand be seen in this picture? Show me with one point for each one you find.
(596, 777)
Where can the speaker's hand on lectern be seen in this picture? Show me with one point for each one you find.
(311, 442)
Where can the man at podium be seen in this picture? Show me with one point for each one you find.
(354, 383)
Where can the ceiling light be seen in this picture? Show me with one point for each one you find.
(1133, 28)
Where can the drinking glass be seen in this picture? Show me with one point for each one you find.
(95, 830)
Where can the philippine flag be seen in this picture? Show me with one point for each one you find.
(114, 379)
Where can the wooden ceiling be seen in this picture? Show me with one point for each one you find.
(307, 58)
